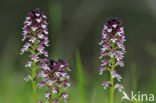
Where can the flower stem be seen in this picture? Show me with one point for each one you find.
(34, 81)
(112, 80)
(34, 74)
(111, 89)
(50, 99)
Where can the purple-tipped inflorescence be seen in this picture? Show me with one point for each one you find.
(55, 77)
(35, 37)
(112, 50)
(35, 33)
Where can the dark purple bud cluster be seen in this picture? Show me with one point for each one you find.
(56, 78)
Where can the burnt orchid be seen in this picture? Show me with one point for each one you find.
(112, 52)
(54, 75)
(36, 39)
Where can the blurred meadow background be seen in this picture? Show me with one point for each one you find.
(75, 28)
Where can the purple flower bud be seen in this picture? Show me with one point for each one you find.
(27, 77)
(45, 31)
(39, 74)
(40, 35)
(50, 82)
(102, 54)
(41, 84)
(39, 101)
(44, 60)
(28, 64)
(38, 20)
(119, 55)
(37, 14)
(113, 39)
(47, 94)
(121, 63)
(104, 62)
(43, 26)
(105, 47)
(101, 70)
(23, 50)
(45, 42)
(115, 75)
(120, 87)
(55, 100)
(105, 84)
(34, 28)
(34, 57)
(112, 53)
(54, 91)
(64, 96)
(45, 53)
(40, 48)
(32, 39)
(26, 45)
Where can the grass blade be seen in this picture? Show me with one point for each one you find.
(80, 77)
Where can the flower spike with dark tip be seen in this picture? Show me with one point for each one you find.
(36, 39)
(55, 77)
(112, 53)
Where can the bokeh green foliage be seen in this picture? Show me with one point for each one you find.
(79, 26)
(15, 90)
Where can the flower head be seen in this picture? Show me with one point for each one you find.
(112, 41)
(36, 40)
(35, 37)
(35, 32)
(112, 49)
(54, 74)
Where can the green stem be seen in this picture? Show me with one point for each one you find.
(111, 89)
(50, 99)
(34, 81)
(34, 73)
(112, 80)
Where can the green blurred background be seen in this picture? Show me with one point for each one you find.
(76, 25)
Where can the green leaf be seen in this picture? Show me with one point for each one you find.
(80, 77)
